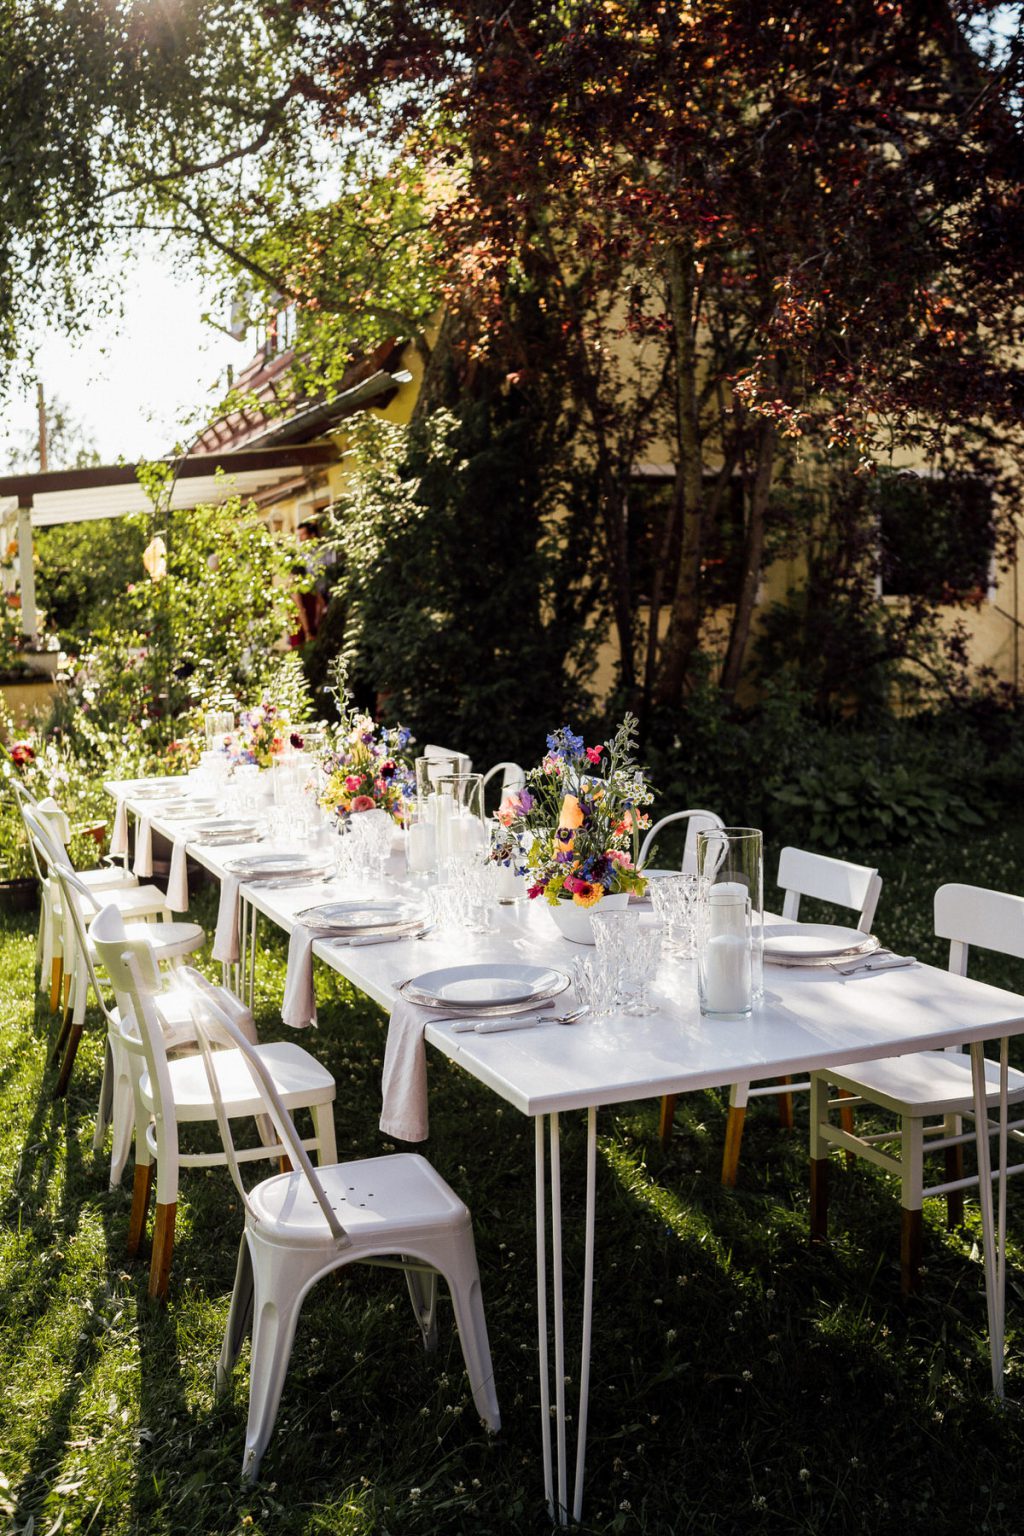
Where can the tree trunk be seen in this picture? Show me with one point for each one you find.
(753, 561)
(684, 620)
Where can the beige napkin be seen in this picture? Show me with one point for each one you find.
(119, 836)
(299, 1007)
(143, 866)
(225, 940)
(404, 1082)
(177, 879)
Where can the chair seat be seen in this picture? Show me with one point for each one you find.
(298, 1077)
(171, 941)
(377, 1199)
(923, 1083)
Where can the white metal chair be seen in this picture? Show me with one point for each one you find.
(697, 821)
(302, 1225)
(512, 778)
(925, 1086)
(170, 1092)
(800, 874)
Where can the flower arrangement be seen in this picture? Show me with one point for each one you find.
(365, 767)
(264, 732)
(583, 807)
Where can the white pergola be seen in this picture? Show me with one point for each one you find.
(45, 499)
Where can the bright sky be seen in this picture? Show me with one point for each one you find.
(133, 383)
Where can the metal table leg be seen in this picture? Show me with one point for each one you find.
(993, 1235)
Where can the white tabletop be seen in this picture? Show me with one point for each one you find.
(809, 1018)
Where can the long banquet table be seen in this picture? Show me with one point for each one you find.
(809, 1019)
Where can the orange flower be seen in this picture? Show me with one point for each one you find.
(571, 816)
(589, 896)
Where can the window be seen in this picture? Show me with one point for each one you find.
(650, 505)
(936, 536)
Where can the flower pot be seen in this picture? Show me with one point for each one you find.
(18, 895)
(573, 922)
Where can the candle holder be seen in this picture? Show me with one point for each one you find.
(730, 956)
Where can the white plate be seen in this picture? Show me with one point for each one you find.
(361, 916)
(226, 830)
(190, 809)
(814, 941)
(169, 790)
(282, 865)
(485, 985)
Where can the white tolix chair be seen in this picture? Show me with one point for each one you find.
(696, 821)
(173, 1091)
(925, 1086)
(513, 779)
(394, 1211)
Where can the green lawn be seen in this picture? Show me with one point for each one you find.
(740, 1383)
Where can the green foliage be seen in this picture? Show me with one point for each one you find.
(465, 580)
(82, 571)
(845, 801)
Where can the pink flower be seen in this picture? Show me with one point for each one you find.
(363, 803)
(352, 782)
(594, 753)
(617, 856)
(535, 890)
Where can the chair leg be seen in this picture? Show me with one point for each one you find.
(67, 989)
(140, 1205)
(121, 1120)
(733, 1142)
(463, 1279)
(273, 1333)
(954, 1170)
(163, 1251)
(786, 1107)
(62, 1038)
(323, 1128)
(239, 1318)
(819, 1199)
(56, 977)
(846, 1121)
(666, 1119)
(71, 1051)
(423, 1295)
(911, 1237)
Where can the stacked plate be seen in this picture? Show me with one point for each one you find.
(383, 918)
(487, 990)
(279, 866)
(225, 830)
(190, 809)
(814, 943)
(164, 789)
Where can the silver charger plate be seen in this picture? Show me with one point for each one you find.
(280, 866)
(487, 985)
(371, 916)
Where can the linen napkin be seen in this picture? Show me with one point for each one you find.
(299, 1007)
(119, 836)
(404, 1080)
(225, 939)
(143, 866)
(177, 879)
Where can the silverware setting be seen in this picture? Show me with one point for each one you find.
(879, 960)
(508, 1022)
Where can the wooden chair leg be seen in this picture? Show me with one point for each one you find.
(846, 1121)
(955, 1198)
(62, 1038)
(284, 1165)
(163, 1251)
(733, 1142)
(74, 1035)
(911, 1238)
(67, 989)
(786, 1107)
(667, 1118)
(140, 1206)
(819, 1199)
(56, 977)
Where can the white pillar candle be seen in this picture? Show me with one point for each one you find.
(727, 974)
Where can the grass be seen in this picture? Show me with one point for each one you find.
(740, 1382)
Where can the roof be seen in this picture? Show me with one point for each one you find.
(113, 490)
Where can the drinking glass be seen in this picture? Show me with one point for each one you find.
(372, 831)
(595, 982)
(614, 930)
(642, 957)
(479, 880)
(448, 907)
(674, 898)
(218, 723)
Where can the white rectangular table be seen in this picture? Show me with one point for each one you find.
(809, 1020)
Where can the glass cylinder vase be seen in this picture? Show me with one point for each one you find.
(730, 952)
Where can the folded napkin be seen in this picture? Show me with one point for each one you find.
(119, 836)
(299, 1007)
(404, 1081)
(177, 879)
(225, 940)
(143, 866)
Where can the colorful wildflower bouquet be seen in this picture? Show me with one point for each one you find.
(583, 809)
(264, 733)
(365, 768)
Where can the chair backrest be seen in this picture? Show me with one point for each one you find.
(827, 879)
(513, 779)
(697, 821)
(970, 914)
(26, 801)
(71, 893)
(212, 1011)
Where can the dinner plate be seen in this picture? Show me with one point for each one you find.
(489, 984)
(167, 791)
(362, 916)
(190, 809)
(226, 830)
(278, 865)
(814, 941)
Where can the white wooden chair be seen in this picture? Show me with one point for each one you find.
(302, 1225)
(696, 821)
(173, 1091)
(800, 874)
(926, 1086)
